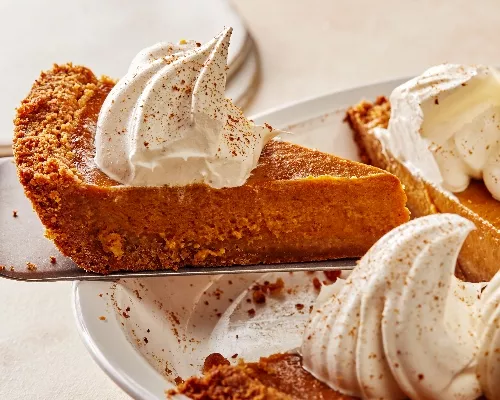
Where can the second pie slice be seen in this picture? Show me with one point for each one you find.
(449, 101)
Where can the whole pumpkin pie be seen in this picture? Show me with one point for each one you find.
(453, 108)
(160, 170)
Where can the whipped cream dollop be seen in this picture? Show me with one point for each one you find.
(445, 126)
(489, 339)
(168, 122)
(402, 325)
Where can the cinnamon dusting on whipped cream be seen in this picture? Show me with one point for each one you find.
(445, 126)
(168, 122)
(402, 326)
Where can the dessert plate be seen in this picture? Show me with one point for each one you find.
(147, 333)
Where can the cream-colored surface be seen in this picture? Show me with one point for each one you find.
(311, 47)
(307, 48)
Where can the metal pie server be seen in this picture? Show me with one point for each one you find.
(26, 255)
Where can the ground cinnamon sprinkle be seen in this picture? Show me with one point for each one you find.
(14, 213)
(268, 126)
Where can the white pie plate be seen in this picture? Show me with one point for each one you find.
(183, 319)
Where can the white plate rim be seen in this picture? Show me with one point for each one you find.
(83, 291)
(101, 355)
(328, 102)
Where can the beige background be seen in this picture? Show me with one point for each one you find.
(308, 48)
(312, 47)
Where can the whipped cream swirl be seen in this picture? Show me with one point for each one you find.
(488, 369)
(445, 125)
(167, 122)
(401, 325)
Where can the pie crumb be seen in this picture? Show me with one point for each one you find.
(31, 266)
(259, 297)
(214, 360)
(332, 276)
(316, 283)
(178, 380)
(102, 318)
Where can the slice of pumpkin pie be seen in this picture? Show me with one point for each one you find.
(440, 134)
(160, 171)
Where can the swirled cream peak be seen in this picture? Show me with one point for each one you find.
(445, 125)
(168, 122)
(401, 325)
(488, 369)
